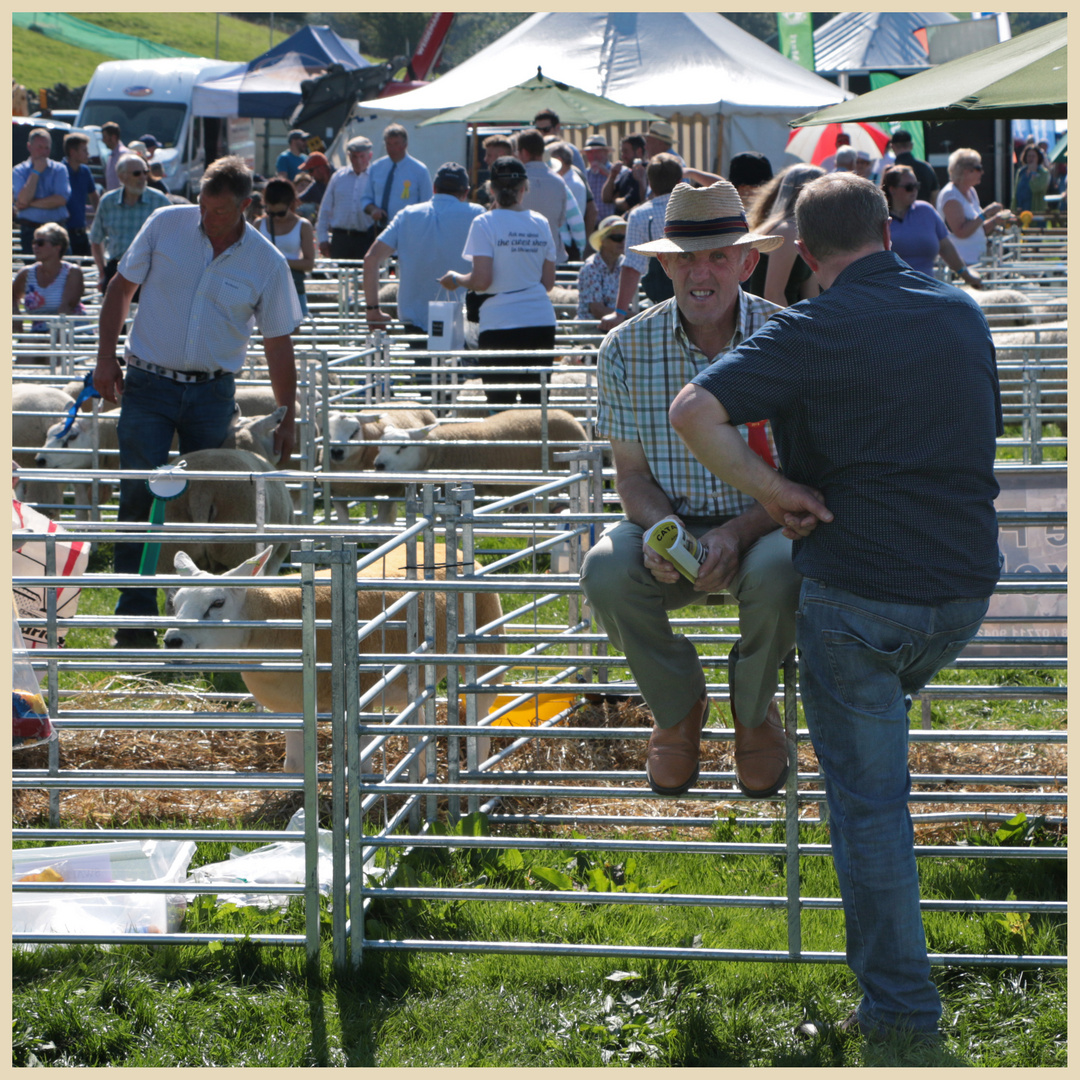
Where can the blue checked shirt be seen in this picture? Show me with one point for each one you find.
(196, 312)
(53, 181)
(116, 225)
(642, 365)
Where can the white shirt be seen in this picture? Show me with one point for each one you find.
(342, 205)
(970, 248)
(518, 242)
(196, 312)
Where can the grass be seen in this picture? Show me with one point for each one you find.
(251, 1006)
(38, 61)
(138, 1006)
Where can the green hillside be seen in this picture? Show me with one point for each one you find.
(38, 61)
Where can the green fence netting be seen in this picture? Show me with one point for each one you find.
(72, 31)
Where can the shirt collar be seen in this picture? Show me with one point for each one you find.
(865, 267)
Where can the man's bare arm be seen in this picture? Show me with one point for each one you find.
(108, 374)
(281, 364)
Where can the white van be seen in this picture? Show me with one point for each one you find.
(154, 97)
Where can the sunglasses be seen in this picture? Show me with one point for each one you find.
(544, 130)
(618, 239)
(976, 168)
(277, 213)
(42, 243)
(136, 172)
(908, 187)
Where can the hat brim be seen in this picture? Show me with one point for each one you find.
(763, 244)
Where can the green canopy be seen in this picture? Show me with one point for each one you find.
(1023, 77)
(519, 104)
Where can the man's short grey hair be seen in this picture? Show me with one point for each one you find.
(561, 151)
(846, 157)
(839, 213)
(228, 176)
(395, 130)
(38, 133)
(125, 162)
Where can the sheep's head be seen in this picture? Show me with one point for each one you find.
(56, 452)
(256, 433)
(212, 605)
(347, 435)
(404, 450)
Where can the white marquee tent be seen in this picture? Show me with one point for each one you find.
(674, 64)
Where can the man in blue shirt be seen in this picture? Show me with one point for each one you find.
(895, 536)
(431, 234)
(395, 181)
(289, 161)
(40, 188)
(83, 191)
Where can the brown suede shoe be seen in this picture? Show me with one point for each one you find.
(761, 753)
(672, 762)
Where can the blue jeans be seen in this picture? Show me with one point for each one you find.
(154, 408)
(858, 658)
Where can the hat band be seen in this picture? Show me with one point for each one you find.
(692, 230)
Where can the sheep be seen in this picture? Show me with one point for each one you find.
(350, 441)
(255, 434)
(215, 605)
(1003, 307)
(225, 502)
(1039, 343)
(45, 403)
(430, 449)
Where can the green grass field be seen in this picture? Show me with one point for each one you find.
(38, 61)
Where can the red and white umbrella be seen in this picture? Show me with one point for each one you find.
(815, 144)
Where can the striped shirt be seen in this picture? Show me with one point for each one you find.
(642, 365)
(644, 223)
(596, 180)
(116, 225)
(196, 312)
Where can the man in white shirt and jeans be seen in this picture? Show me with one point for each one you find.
(207, 278)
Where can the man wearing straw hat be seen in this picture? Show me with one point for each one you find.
(707, 251)
(896, 539)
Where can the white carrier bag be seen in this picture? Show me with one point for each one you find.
(446, 324)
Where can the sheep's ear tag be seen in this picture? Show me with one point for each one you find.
(169, 482)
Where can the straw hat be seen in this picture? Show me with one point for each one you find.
(605, 229)
(701, 219)
(661, 129)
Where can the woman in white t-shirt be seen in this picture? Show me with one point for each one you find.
(969, 224)
(513, 258)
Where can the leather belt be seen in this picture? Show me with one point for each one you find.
(168, 373)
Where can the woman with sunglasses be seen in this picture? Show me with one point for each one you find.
(598, 279)
(291, 234)
(969, 223)
(50, 286)
(918, 233)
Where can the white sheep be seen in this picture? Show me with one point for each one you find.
(1035, 344)
(41, 405)
(446, 449)
(351, 438)
(255, 434)
(216, 606)
(226, 502)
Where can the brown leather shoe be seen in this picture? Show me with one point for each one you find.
(761, 753)
(672, 762)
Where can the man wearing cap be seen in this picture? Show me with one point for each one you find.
(432, 234)
(706, 250)
(660, 139)
(289, 161)
(395, 181)
(344, 230)
(597, 154)
(121, 214)
(208, 278)
(924, 171)
(896, 539)
(598, 280)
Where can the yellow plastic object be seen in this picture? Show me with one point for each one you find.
(533, 712)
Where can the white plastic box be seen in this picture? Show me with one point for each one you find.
(150, 861)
